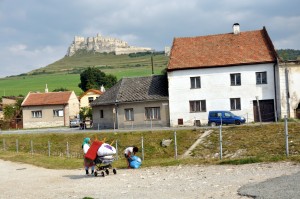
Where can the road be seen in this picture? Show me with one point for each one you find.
(272, 180)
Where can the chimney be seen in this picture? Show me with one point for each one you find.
(102, 89)
(236, 28)
(46, 89)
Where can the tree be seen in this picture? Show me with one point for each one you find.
(93, 78)
(85, 112)
(13, 111)
(60, 89)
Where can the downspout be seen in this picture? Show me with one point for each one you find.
(286, 73)
(275, 90)
(117, 112)
(64, 114)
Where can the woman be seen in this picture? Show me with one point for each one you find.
(87, 163)
(128, 152)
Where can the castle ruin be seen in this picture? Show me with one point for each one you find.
(103, 45)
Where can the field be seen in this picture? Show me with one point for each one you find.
(65, 73)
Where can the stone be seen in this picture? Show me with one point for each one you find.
(166, 143)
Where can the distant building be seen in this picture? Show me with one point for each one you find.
(50, 109)
(88, 97)
(102, 44)
(140, 102)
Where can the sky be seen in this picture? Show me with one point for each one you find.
(35, 33)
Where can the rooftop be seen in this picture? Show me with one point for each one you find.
(249, 47)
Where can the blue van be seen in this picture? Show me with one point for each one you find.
(215, 118)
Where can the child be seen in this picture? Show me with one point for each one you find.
(87, 163)
(128, 152)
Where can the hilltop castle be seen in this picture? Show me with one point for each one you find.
(103, 44)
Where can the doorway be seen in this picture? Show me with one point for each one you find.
(266, 110)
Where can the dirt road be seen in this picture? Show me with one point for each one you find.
(27, 181)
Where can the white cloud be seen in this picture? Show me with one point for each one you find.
(17, 48)
(36, 33)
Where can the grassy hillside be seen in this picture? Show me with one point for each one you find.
(65, 73)
(241, 144)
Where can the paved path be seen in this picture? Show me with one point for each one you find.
(198, 141)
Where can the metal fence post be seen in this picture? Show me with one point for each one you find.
(116, 149)
(31, 147)
(142, 148)
(49, 151)
(4, 144)
(286, 136)
(175, 143)
(68, 153)
(17, 146)
(221, 145)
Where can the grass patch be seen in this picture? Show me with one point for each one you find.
(241, 145)
(249, 160)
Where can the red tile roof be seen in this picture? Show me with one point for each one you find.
(51, 98)
(250, 47)
(91, 91)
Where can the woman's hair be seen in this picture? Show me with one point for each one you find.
(135, 149)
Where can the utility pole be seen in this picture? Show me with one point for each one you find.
(152, 64)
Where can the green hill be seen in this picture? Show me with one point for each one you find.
(107, 62)
(65, 73)
(288, 54)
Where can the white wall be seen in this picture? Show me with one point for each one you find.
(289, 76)
(216, 90)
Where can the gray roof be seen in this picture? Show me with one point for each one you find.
(137, 89)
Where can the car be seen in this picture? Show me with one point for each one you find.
(75, 122)
(224, 117)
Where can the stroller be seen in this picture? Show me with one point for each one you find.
(103, 164)
(104, 159)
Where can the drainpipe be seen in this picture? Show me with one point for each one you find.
(286, 73)
(275, 89)
(116, 114)
(65, 114)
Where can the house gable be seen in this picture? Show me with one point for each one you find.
(250, 47)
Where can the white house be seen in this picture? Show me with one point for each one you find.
(234, 71)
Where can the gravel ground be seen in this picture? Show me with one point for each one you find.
(27, 181)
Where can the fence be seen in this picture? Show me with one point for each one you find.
(68, 149)
(222, 143)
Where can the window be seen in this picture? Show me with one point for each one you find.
(36, 114)
(235, 79)
(129, 114)
(235, 103)
(91, 99)
(198, 106)
(101, 114)
(152, 113)
(195, 82)
(261, 77)
(58, 113)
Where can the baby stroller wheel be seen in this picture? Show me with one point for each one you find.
(102, 174)
(95, 173)
(107, 172)
(114, 171)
